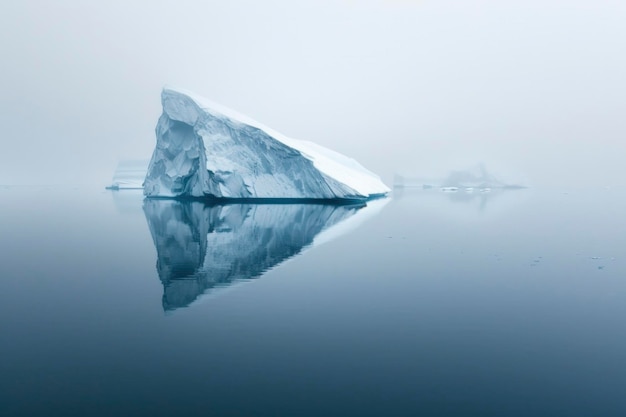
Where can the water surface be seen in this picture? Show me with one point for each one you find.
(431, 304)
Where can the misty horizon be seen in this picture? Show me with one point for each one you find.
(534, 90)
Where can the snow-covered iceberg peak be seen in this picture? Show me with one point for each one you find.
(206, 150)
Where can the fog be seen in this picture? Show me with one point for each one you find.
(533, 89)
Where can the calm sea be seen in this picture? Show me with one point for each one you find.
(424, 304)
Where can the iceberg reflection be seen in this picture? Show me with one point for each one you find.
(200, 246)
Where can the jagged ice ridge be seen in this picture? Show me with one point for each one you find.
(206, 150)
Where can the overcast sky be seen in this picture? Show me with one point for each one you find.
(535, 89)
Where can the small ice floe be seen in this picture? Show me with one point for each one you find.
(469, 189)
(449, 189)
(595, 257)
(485, 190)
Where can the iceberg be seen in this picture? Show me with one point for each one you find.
(205, 150)
(477, 177)
(473, 179)
(129, 175)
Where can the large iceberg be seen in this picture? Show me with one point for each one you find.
(206, 150)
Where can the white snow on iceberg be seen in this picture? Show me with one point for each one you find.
(206, 150)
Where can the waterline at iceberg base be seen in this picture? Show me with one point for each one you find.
(204, 150)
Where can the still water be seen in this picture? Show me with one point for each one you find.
(426, 303)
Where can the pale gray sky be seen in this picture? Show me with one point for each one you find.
(535, 89)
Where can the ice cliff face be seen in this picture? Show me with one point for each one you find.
(205, 150)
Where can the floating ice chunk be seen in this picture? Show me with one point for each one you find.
(129, 174)
(206, 150)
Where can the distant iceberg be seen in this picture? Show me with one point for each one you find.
(206, 150)
(473, 179)
(129, 174)
(476, 178)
